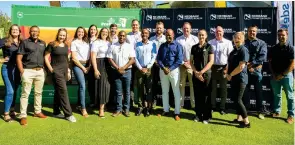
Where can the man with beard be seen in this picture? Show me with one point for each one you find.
(113, 30)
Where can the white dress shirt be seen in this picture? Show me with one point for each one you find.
(81, 48)
(145, 54)
(187, 43)
(133, 38)
(101, 48)
(158, 41)
(121, 53)
(221, 50)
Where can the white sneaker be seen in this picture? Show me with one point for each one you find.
(71, 119)
(205, 121)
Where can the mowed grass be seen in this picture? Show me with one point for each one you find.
(153, 130)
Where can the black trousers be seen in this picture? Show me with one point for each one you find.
(217, 77)
(202, 97)
(156, 78)
(257, 83)
(238, 89)
(61, 99)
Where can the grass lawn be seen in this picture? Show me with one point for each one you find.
(139, 130)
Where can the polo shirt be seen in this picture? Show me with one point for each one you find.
(33, 53)
(121, 53)
(9, 51)
(201, 56)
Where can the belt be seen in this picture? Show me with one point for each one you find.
(37, 68)
(82, 62)
(218, 67)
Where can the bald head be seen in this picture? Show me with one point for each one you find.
(219, 33)
(169, 35)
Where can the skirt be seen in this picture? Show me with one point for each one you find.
(103, 83)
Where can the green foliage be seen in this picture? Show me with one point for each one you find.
(5, 22)
(126, 4)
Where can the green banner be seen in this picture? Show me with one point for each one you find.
(72, 17)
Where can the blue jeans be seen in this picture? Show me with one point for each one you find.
(287, 84)
(80, 77)
(11, 78)
(122, 84)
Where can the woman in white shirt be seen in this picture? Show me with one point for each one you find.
(101, 68)
(80, 51)
(92, 35)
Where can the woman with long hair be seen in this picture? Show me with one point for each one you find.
(9, 70)
(202, 59)
(58, 67)
(80, 53)
(238, 75)
(92, 35)
(101, 68)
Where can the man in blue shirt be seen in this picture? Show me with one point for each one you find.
(169, 58)
(257, 50)
(146, 52)
(281, 62)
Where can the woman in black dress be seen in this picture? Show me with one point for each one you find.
(202, 59)
(101, 68)
(58, 50)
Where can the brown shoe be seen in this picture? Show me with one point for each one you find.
(276, 115)
(177, 118)
(117, 113)
(23, 121)
(40, 115)
(290, 120)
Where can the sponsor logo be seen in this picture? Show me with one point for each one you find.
(285, 17)
(264, 88)
(149, 17)
(222, 17)
(188, 17)
(179, 31)
(121, 22)
(256, 17)
(20, 14)
(180, 17)
(259, 31)
(252, 87)
(195, 30)
(226, 30)
(265, 74)
(252, 102)
(152, 30)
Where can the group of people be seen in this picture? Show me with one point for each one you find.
(136, 61)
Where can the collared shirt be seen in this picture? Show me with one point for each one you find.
(91, 41)
(201, 56)
(280, 57)
(238, 55)
(133, 38)
(81, 48)
(101, 48)
(221, 49)
(187, 43)
(170, 55)
(158, 40)
(257, 50)
(115, 39)
(9, 52)
(33, 53)
(121, 53)
(145, 54)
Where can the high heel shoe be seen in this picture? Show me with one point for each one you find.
(84, 113)
(7, 118)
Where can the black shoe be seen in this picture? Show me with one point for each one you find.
(147, 114)
(139, 111)
(236, 121)
(222, 112)
(244, 125)
(164, 114)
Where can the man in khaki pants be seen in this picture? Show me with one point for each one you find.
(187, 40)
(30, 60)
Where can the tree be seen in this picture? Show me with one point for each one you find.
(5, 23)
(125, 4)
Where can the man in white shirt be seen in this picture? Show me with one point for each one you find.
(187, 40)
(222, 48)
(121, 57)
(132, 38)
(146, 53)
(158, 39)
(113, 30)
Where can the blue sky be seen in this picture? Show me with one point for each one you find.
(5, 6)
